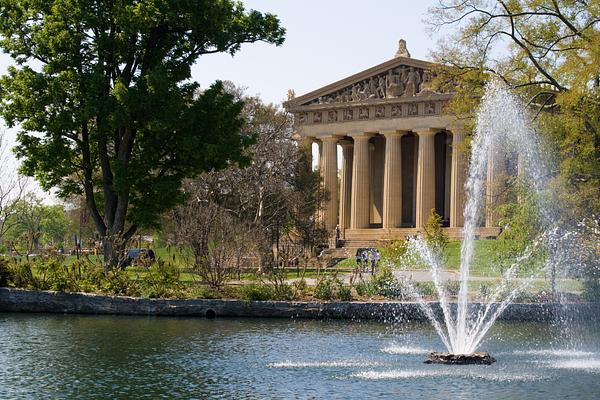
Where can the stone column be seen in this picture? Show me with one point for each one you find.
(425, 176)
(377, 176)
(371, 182)
(319, 164)
(330, 181)
(494, 187)
(346, 184)
(457, 180)
(361, 187)
(320, 148)
(392, 181)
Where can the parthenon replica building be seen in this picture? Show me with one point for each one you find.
(402, 155)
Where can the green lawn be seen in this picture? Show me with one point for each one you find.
(485, 252)
(484, 263)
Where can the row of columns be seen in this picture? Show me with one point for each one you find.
(354, 199)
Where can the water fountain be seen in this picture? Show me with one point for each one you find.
(503, 137)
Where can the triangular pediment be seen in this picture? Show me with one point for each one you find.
(400, 77)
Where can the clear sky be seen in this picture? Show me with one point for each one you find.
(325, 41)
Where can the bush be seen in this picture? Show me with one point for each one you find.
(387, 285)
(208, 293)
(55, 276)
(345, 293)
(256, 292)
(325, 289)
(300, 288)
(330, 287)
(365, 288)
(161, 280)
(278, 286)
(452, 287)
(21, 276)
(4, 272)
(393, 251)
(426, 289)
(485, 290)
(435, 236)
(118, 283)
(89, 276)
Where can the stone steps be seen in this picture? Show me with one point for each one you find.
(356, 243)
(351, 245)
(341, 252)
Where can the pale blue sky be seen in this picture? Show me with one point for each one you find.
(325, 41)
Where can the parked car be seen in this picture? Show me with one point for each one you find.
(139, 256)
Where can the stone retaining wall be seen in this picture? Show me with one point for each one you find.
(19, 300)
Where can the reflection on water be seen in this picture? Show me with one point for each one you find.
(98, 357)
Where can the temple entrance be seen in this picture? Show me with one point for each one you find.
(377, 157)
(409, 150)
(443, 167)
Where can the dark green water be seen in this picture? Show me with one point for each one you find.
(96, 357)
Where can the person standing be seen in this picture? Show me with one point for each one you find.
(376, 257)
(370, 261)
(364, 256)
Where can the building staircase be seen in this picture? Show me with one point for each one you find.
(348, 248)
(353, 244)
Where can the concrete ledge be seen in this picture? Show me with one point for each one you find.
(27, 301)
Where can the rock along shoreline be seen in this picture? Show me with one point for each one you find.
(28, 301)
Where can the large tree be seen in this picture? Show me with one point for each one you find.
(33, 224)
(102, 92)
(273, 200)
(549, 51)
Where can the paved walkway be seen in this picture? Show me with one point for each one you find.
(416, 275)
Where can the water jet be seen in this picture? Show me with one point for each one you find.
(502, 140)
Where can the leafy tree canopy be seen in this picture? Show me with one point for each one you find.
(274, 199)
(102, 92)
(548, 50)
(32, 224)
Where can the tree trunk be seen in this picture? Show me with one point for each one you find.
(114, 253)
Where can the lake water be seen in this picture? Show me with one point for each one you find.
(100, 357)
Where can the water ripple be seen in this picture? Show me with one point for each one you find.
(400, 374)
(456, 373)
(395, 349)
(324, 364)
(578, 364)
(554, 353)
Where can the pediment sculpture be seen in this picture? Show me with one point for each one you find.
(402, 81)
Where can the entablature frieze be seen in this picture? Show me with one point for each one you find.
(372, 111)
(442, 122)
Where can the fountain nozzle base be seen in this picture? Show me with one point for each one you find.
(481, 358)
